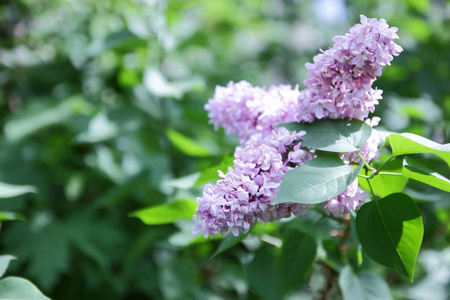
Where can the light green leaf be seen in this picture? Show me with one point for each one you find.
(211, 174)
(333, 135)
(415, 170)
(186, 145)
(157, 84)
(363, 286)
(390, 231)
(228, 242)
(384, 185)
(11, 216)
(166, 213)
(316, 181)
(408, 143)
(296, 258)
(8, 190)
(4, 263)
(16, 288)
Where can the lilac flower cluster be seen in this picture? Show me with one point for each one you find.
(339, 86)
(245, 194)
(245, 110)
(340, 80)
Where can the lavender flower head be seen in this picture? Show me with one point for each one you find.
(245, 194)
(244, 110)
(340, 80)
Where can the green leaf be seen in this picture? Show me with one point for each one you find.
(166, 213)
(228, 242)
(9, 190)
(333, 135)
(390, 231)
(263, 275)
(384, 185)
(4, 263)
(363, 286)
(211, 174)
(415, 170)
(408, 143)
(16, 288)
(39, 115)
(186, 145)
(296, 258)
(316, 181)
(11, 216)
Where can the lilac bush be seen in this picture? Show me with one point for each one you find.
(338, 86)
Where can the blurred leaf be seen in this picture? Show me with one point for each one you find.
(384, 185)
(228, 242)
(9, 190)
(38, 116)
(296, 258)
(100, 128)
(263, 275)
(415, 170)
(11, 216)
(333, 135)
(158, 85)
(363, 286)
(211, 174)
(120, 40)
(317, 180)
(408, 143)
(16, 288)
(186, 145)
(166, 213)
(390, 231)
(4, 263)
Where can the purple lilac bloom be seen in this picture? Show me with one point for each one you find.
(246, 192)
(244, 110)
(346, 202)
(340, 80)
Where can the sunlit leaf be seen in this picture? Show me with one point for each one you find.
(16, 288)
(9, 190)
(415, 170)
(211, 174)
(316, 181)
(333, 135)
(390, 231)
(11, 216)
(166, 213)
(186, 145)
(4, 263)
(408, 143)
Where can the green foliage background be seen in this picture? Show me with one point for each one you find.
(101, 105)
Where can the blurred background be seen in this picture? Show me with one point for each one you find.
(101, 105)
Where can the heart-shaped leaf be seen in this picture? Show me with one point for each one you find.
(390, 231)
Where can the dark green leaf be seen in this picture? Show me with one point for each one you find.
(390, 231)
(166, 213)
(16, 288)
(363, 286)
(415, 170)
(228, 242)
(296, 258)
(4, 263)
(333, 135)
(316, 181)
(408, 143)
(263, 275)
